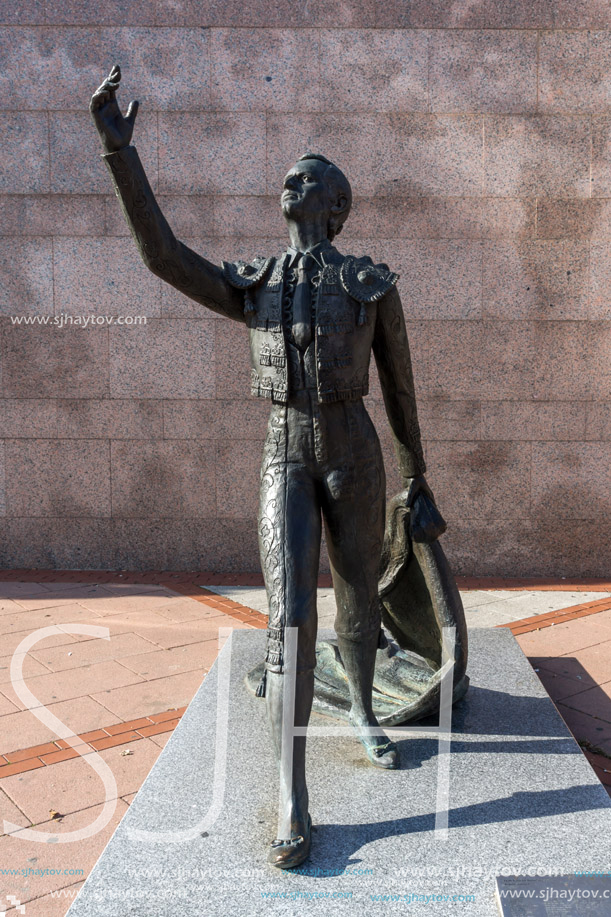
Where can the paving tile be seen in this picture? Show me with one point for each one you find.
(65, 754)
(26, 622)
(62, 596)
(9, 606)
(90, 651)
(162, 739)
(108, 603)
(565, 639)
(31, 667)
(595, 702)
(157, 629)
(53, 905)
(35, 751)
(194, 657)
(151, 697)
(159, 728)
(122, 738)
(15, 590)
(11, 641)
(74, 683)
(189, 610)
(20, 767)
(596, 661)
(586, 728)
(70, 785)
(6, 706)
(167, 715)
(557, 686)
(78, 855)
(10, 812)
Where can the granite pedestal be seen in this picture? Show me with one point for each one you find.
(523, 799)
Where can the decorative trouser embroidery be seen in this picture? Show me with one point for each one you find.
(301, 482)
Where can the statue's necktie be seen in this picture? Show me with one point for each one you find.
(302, 318)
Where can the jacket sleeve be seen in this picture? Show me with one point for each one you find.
(160, 250)
(391, 351)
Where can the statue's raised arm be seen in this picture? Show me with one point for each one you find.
(160, 250)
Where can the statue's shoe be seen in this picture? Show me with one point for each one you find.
(287, 854)
(385, 754)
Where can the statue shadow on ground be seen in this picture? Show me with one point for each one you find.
(335, 845)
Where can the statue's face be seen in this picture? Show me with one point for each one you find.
(305, 193)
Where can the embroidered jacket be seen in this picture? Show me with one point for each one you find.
(356, 308)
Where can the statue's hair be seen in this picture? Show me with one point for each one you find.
(338, 185)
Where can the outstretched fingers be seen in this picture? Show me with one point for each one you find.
(132, 111)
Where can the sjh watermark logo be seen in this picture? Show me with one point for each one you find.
(289, 732)
(19, 907)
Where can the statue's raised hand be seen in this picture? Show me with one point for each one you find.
(115, 130)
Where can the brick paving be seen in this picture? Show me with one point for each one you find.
(122, 697)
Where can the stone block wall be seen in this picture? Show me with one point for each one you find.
(477, 136)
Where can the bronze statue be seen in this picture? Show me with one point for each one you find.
(314, 316)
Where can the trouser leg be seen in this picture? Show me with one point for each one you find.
(289, 538)
(353, 509)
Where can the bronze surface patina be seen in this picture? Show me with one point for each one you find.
(314, 316)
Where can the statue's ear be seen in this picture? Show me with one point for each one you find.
(340, 204)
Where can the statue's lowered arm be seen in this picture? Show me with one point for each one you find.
(391, 351)
(162, 253)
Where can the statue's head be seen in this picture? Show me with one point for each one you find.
(314, 186)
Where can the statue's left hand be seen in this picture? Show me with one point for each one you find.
(415, 486)
(426, 523)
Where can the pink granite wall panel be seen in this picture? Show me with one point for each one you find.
(54, 477)
(477, 137)
(163, 479)
(163, 356)
(469, 72)
(26, 276)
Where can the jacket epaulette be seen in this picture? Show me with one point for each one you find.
(365, 281)
(243, 275)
